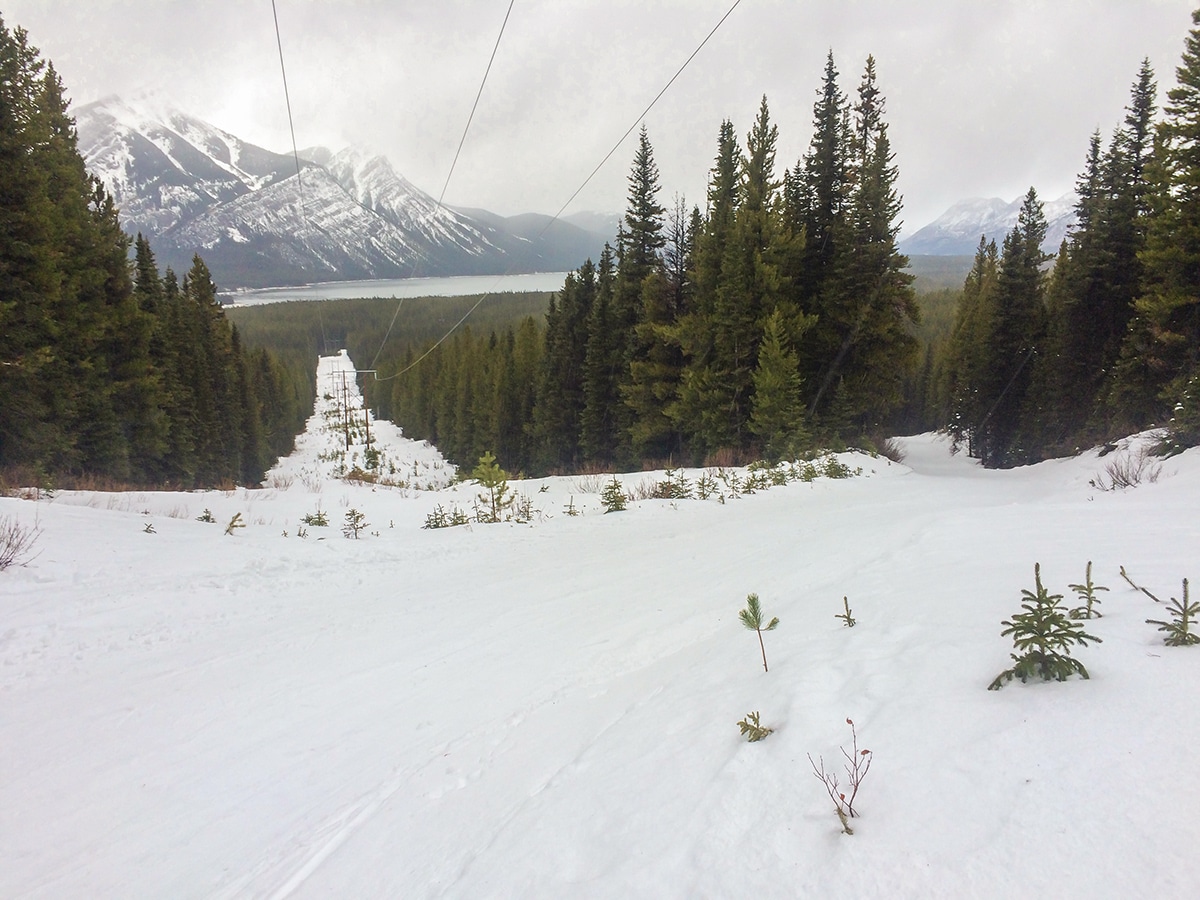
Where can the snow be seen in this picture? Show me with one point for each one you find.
(549, 709)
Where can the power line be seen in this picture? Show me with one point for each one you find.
(450, 174)
(296, 155)
(471, 117)
(288, 101)
(570, 199)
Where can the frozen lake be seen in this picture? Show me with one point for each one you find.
(454, 286)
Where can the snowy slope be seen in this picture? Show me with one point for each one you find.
(548, 710)
(956, 232)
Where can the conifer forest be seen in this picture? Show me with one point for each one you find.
(773, 318)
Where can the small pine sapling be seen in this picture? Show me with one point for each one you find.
(235, 523)
(496, 496)
(1087, 594)
(1045, 636)
(858, 763)
(752, 730)
(571, 509)
(319, 519)
(206, 516)
(355, 523)
(149, 529)
(613, 496)
(846, 617)
(752, 618)
(1183, 614)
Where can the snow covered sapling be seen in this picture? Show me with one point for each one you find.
(1183, 614)
(846, 617)
(613, 496)
(206, 516)
(1045, 635)
(858, 763)
(235, 523)
(355, 522)
(752, 730)
(752, 618)
(1087, 594)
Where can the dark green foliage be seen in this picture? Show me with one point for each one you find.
(1183, 615)
(1087, 594)
(1044, 634)
(613, 496)
(134, 379)
(752, 618)
(752, 730)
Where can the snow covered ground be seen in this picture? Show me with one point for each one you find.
(549, 709)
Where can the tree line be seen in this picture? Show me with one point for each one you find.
(778, 316)
(1047, 360)
(107, 368)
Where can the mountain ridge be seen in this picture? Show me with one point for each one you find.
(191, 187)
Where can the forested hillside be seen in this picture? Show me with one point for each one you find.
(1045, 359)
(778, 316)
(135, 380)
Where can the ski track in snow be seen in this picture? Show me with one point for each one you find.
(548, 710)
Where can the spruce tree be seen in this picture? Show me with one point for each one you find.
(1161, 350)
(777, 417)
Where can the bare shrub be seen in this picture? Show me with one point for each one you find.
(1128, 470)
(891, 450)
(592, 483)
(282, 482)
(16, 542)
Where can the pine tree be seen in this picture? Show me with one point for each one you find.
(1161, 350)
(777, 417)
(1045, 634)
(1017, 327)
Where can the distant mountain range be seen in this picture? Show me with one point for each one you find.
(192, 188)
(956, 232)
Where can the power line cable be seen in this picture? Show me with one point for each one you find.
(296, 155)
(450, 174)
(570, 199)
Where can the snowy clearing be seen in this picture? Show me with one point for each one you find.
(549, 709)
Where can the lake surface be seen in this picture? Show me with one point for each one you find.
(454, 286)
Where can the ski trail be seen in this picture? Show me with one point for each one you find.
(341, 832)
(322, 843)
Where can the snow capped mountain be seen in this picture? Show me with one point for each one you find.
(957, 231)
(192, 188)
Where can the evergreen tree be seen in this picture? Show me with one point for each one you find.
(1161, 350)
(966, 362)
(1017, 327)
(777, 417)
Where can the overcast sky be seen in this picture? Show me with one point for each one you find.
(983, 99)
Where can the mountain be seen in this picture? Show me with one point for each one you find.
(956, 232)
(193, 188)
